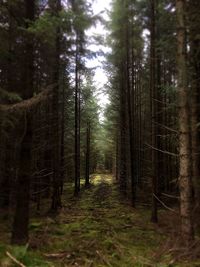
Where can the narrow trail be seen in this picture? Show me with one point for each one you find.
(98, 230)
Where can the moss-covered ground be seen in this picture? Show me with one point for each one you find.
(96, 229)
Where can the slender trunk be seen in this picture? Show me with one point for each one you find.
(195, 142)
(87, 165)
(21, 219)
(154, 215)
(193, 10)
(123, 126)
(79, 134)
(56, 197)
(185, 181)
(62, 152)
(77, 122)
(117, 158)
(130, 114)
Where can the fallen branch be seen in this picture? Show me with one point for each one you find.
(103, 258)
(14, 259)
(57, 255)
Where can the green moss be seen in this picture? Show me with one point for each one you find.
(95, 229)
(22, 254)
(35, 225)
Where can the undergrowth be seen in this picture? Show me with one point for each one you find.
(96, 229)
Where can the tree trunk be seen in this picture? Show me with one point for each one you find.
(194, 21)
(56, 197)
(153, 96)
(87, 166)
(185, 179)
(21, 218)
(77, 122)
(123, 126)
(130, 113)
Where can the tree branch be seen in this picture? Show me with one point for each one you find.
(14, 259)
(163, 151)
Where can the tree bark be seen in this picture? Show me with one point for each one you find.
(21, 217)
(185, 179)
(194, 31)
(77, 123)
(153, 96)
(87, 167)
(130, 108)
(56, 197)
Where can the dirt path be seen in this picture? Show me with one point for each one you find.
(98, 230)
(94, 230)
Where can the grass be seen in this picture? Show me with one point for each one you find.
(96, 229)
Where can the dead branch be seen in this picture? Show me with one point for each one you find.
(103, 258)
(28, 104)
(164, 205)
(163, 151)
(14, 259)
(166, 127)
(57, 255)
(170, 196)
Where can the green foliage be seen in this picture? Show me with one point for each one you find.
(22, 254)
(111, 233)
(9, 97)
(19, 252)
(35, 225)
(46, 25)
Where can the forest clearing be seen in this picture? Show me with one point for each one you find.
(96, 229)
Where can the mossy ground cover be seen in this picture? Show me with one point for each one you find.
(96, 229)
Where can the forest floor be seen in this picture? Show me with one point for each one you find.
(94, 230)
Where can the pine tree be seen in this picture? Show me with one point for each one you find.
(185, 178)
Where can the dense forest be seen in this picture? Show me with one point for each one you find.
(86, 185)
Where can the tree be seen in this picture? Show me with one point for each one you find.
(82, 21)
(185, 178)
(55, 6)
(194, 60)
(153, 105)
(21, 219)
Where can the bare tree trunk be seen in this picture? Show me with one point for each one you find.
(193, 7)
(21, 217)
(87, 165)
(123, 126)
(153, 96)
(77, 121)
(62, 152)
(56, 196)
(185, 179)
(130, 113)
